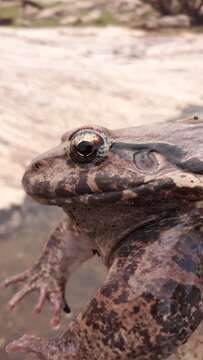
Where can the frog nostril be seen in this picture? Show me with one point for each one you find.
(38, 165)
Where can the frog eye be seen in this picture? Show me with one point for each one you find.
(146, 161)
(85, 148)
(87, 145)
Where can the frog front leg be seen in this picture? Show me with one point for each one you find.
(63, 253)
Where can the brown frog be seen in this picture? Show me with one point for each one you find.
(135, 197)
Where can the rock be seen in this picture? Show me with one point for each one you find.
(145, 17)
(6, 21)
(30, 9)
(47, 13)
(178, 21)
(31, 4)
(131, 13)
(126, 5)
(86, 5)
(92, 16)
(70, 20)
(167, 22)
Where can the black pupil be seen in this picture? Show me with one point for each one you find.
(85, 148)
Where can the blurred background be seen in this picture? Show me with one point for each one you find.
(68, 63)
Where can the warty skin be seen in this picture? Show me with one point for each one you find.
(135, 197)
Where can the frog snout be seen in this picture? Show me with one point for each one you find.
(33, 175)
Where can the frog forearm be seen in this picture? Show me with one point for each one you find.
(65, 250)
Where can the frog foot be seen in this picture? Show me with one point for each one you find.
(32, 345)
(49, 286)
(51, 349)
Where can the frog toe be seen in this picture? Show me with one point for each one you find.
(31, 345)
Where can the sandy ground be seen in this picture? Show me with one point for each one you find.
(54, 80)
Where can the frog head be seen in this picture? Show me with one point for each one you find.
(160, 166)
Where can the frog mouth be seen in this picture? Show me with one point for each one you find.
(124, 195)
(111, 196)
(142, 191)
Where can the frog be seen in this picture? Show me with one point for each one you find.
(134, 197)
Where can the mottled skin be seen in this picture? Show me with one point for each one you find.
(135, 197)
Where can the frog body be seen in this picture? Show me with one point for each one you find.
(135, 198)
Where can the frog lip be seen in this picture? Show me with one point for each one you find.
(102, 197)
(123, 195)
(41, 199)
(84, 199)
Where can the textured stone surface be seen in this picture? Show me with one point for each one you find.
(54, 80)
(130, 13)
(82, 12)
